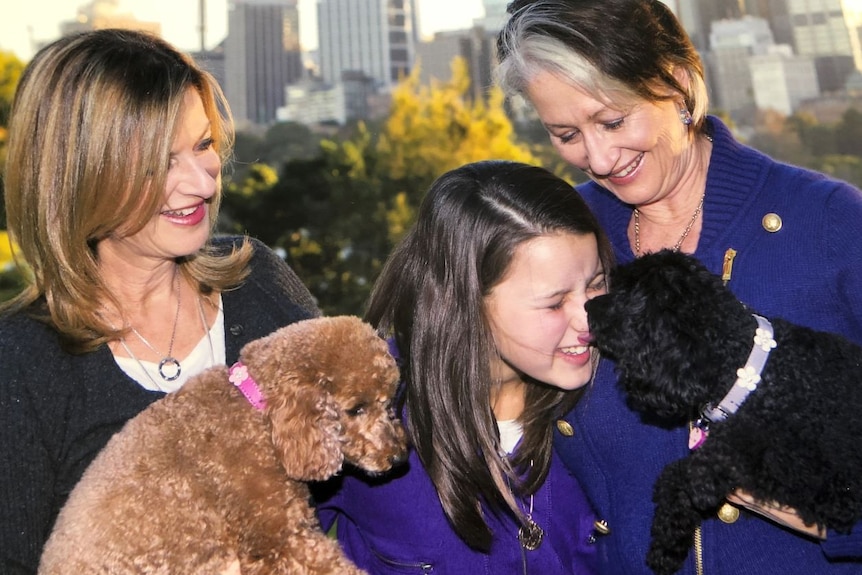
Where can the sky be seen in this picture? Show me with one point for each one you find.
(40, 19)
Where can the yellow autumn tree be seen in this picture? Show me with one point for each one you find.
(10, 72)
(432, 129)
(7, 260)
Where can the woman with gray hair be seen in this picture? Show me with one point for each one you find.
(620, 89)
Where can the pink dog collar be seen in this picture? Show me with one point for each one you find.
(240, 377)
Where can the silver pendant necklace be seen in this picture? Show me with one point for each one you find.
(169, 367)
(206, 330)
(146, 371)
(530, 534)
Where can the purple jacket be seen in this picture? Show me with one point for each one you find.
(396, 525)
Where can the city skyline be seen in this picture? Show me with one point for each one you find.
(179, 20)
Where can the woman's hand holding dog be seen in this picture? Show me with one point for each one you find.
(781, 514)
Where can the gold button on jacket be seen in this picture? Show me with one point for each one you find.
(771, 222)
(601, 527)
(565, 428)
(728, 513)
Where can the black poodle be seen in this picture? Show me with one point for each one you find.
(686, 350)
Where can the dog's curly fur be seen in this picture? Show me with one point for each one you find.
(678, 336)
(202, 482)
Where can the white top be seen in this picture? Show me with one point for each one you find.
(200, 358)
(511, 432)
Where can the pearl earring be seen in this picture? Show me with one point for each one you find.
(685, 116)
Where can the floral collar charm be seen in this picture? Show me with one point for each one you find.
(243, 381)
(747, 379)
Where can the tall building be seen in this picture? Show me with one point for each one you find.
(733, 42)
(377, 38)
(697, 16)
(477, 46)
(819, 27)
(820, 30)
(262, 56)
(311, 102)
(781, 81)
(776, 13)
(853, 16)
(495, 15)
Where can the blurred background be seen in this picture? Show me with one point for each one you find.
(347, 110)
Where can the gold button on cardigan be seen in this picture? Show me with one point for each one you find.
(565, 428)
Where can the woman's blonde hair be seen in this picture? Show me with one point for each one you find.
(90, 135)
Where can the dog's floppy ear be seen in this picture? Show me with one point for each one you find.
(306, 430)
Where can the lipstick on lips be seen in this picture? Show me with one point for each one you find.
(187, 216)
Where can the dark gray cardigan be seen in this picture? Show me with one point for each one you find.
(58, 410)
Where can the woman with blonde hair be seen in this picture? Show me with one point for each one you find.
(112, 183)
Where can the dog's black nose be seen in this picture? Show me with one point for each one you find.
(398, 458)
(596, 305)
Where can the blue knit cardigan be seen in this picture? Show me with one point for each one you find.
(809, 272)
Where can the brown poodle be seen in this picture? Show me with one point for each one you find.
(211, 479)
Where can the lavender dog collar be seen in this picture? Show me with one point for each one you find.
(747, 379)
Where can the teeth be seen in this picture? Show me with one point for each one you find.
(576, 350)
(630, 168)
(180, 213)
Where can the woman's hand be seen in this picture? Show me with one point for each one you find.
(779, 513)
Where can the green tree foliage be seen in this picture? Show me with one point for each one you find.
(818, 138)
(336, 213)
(844, 167)
(848, 133)
(776, 137)
(11, 279)
(281, 142)
(328, 216)
(834, 149)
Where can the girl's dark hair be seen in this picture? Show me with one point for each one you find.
(430, 298)
(611, 48)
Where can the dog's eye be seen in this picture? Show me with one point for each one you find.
(356, 410)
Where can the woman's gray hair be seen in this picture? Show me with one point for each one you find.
(619, 51)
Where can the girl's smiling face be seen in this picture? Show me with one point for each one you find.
(536, 313)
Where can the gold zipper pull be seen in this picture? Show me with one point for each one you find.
(727, 267)
(698, 550)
